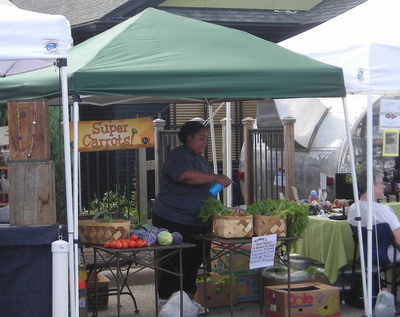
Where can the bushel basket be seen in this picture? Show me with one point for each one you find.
(95, 231)
(264, 225)
(236, 226)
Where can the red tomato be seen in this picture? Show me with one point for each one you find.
(145, 243)
(134, 237)
(132, 244)
(107, 244)
(125, 244)
(118, 244)
(139, 243)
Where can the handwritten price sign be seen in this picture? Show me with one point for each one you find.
(263, 251)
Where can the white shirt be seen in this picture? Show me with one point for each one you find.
(380, 214)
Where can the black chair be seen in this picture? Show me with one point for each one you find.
(385, 239)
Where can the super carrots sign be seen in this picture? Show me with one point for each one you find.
(114, 134)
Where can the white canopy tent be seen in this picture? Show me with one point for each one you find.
(31, 41)
(365, 44)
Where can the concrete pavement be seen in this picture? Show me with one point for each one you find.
(142, 285)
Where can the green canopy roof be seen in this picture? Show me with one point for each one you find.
(162, 55)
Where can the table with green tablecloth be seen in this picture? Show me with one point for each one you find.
(330, 241)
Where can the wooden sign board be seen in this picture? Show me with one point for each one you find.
(29, 130)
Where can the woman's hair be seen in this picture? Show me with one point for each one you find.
(189, 128)
(362, 179)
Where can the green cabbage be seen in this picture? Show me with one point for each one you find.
(164, 238)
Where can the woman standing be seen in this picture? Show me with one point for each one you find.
(186, 180)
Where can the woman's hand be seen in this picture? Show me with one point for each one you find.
(223, 180)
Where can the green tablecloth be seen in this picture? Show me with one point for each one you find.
(331, 242)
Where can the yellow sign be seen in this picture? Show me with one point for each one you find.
(114, 134)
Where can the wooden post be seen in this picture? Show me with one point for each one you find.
(248, 173)
(288, 157)
(31, 173)
(32, 193)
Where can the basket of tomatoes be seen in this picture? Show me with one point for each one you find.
(99, 231)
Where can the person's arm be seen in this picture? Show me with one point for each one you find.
(396, 234)
(195, 177)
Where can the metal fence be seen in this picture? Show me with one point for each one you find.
(267, 172)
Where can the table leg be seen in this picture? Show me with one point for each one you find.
(261, 292)
(288, 270)
(156, 273)
(118, 287)
(205, 277)
(181, 281)
(230, 278)
(95, 282)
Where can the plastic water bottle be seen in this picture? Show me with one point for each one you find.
(313, 196)
(384, 306)
(216, 188)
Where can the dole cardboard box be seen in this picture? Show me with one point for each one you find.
(269, 281)
(240, 260)
(218, 291)
(306, 300)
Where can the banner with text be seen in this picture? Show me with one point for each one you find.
(114, 134)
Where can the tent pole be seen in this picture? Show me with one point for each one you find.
(228, 153)
(62, 64)
(76, 194)
(214, 154)
(370, 193)
(355, 191)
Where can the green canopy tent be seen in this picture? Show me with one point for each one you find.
(162, 55)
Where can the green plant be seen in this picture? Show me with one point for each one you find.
(115, 202)
(314, 272)
(296, 214)
(222, 282)
(209, 208)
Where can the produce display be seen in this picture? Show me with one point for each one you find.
(132, 242)
(144, 235)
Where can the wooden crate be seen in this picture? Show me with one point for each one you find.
(32, 193)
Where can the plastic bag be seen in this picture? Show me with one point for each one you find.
(385, 306)
(172, 308)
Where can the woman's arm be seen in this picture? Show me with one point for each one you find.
(396, 234)
(195, 177)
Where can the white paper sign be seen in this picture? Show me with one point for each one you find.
(4, 138)
(263, 251)
(322, 181)
(389, 114)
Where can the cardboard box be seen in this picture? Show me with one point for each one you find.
(103, 285)
(306, 300)
(83, 308)
(241, 261)
(268, 281)
(218, 295)
(248, 287)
